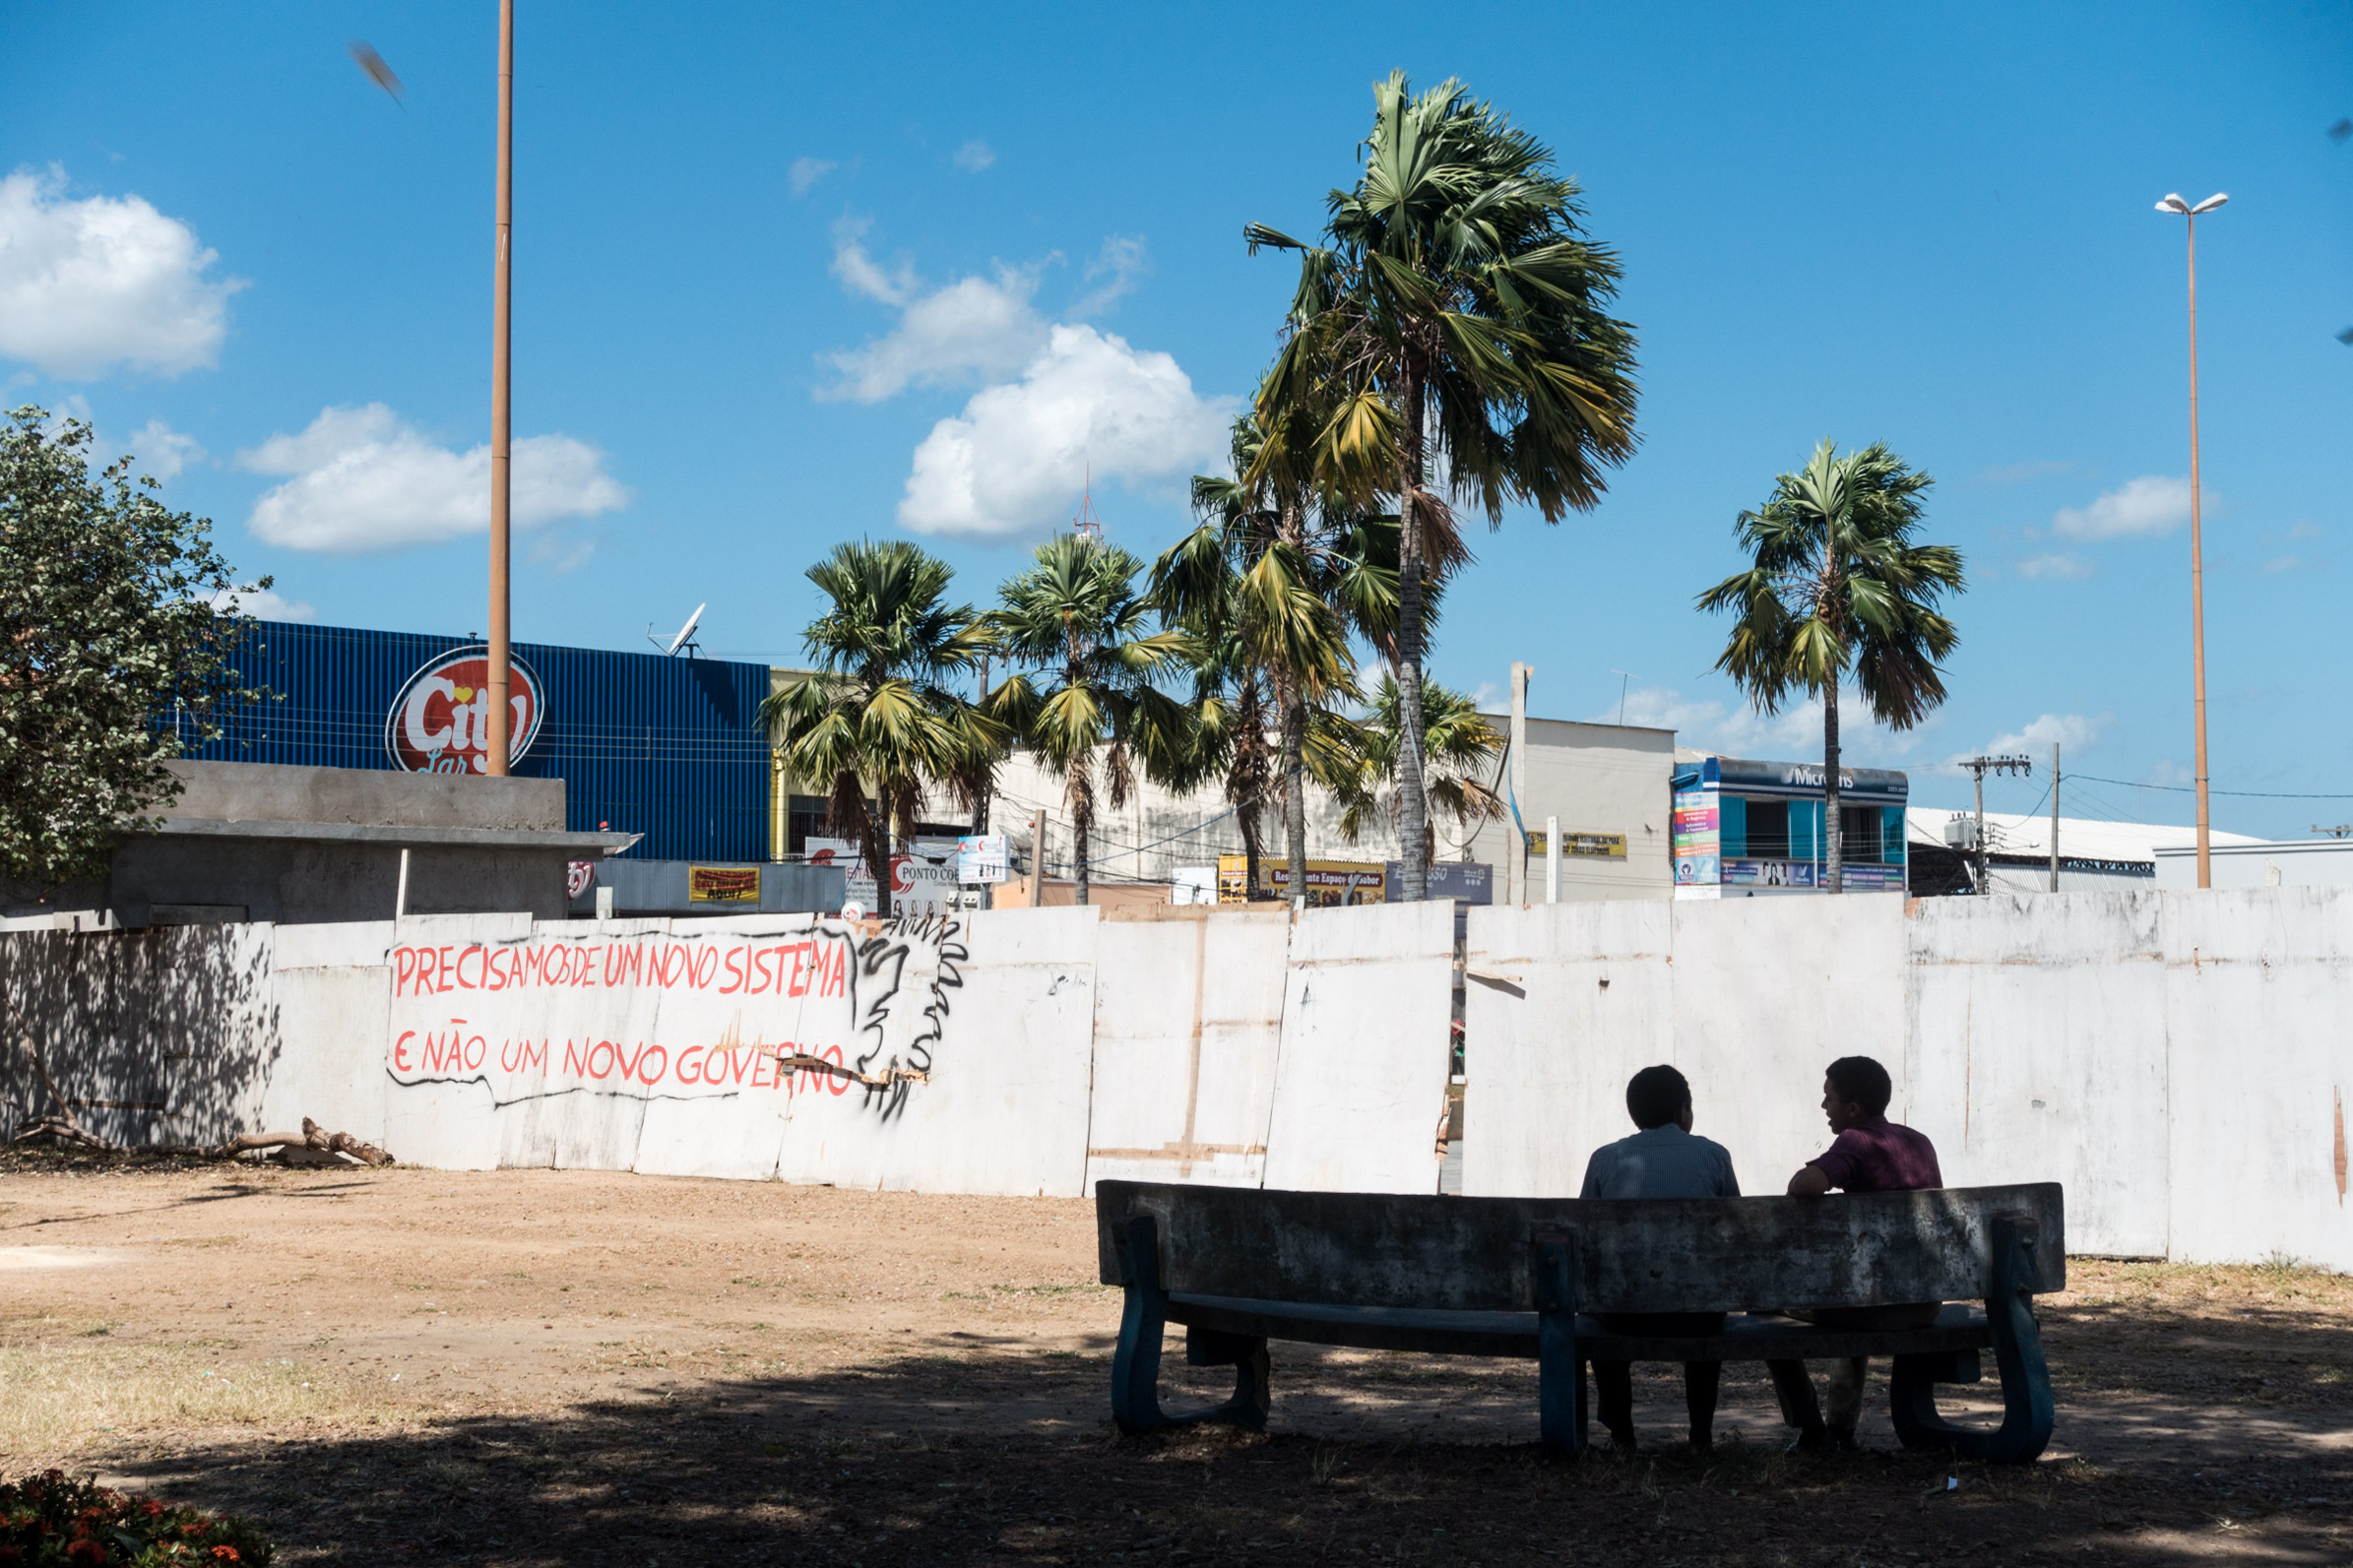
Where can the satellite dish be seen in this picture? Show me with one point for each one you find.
(670, 648)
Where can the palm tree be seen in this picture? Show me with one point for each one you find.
(1269, 590)
(1457, 291)
(1360, 761)
(876, 722)
(1087, 702)
(1836, 581)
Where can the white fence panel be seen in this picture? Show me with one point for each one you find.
(2260, 987)
(1188, 1022)
(1562, 1004)
(1360, 1085)
(2040, 1053)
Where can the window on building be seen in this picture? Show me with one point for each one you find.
(1859, 834)
(1768, 830)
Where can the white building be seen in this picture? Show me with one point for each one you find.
(2093, 856)
(2259, 863)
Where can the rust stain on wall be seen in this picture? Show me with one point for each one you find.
(2339, 1096)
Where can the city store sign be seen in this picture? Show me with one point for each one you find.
(441, 721)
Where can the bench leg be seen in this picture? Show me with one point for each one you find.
(2027, 1414)
(1794, 1387)
(1559, 1370)
(1135, 1364)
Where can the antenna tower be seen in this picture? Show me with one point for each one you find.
(1088, 523)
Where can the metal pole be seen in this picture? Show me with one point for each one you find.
(498, 741)
(2197, 584)
(1552, 860)
(2055, 816)
(1038, 859)
(1981, 829)
(1517, 866)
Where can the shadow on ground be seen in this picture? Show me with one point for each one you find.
(749, 1471)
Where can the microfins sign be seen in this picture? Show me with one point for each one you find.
(440, 723)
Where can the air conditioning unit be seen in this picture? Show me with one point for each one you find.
(1960, 833)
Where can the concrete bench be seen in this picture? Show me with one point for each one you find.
(1530, 1277)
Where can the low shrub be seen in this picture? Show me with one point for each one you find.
(54, 1520)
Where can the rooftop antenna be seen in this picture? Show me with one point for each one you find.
(685, 632)
(1626, 678)
(1089, 521)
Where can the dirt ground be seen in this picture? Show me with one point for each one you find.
(538, 1368)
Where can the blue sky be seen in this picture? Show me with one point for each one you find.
(785, 275)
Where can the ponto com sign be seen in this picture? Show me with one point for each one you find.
(440, 723)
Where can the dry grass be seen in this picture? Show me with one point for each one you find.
(68, 1385)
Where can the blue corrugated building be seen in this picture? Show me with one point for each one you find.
(671, 748)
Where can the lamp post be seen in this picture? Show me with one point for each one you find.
(2197, 581)
(499, 743)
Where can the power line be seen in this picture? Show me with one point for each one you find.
(2245, 795)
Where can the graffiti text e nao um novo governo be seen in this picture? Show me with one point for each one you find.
(815, 966)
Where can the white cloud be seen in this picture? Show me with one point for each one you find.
(975, 328)
(164, 452)
(975, 156)
(365, 481)
(2073, 732)
(1794, 734)
(807, 172)
(1016, 458)
(264, 605)
(2151, 504)
(108, 280)
(2057, 568)
(1120, 263)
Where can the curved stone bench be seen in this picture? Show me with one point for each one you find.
(1528, 1278)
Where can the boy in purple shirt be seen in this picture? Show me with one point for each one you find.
(1869, 1154)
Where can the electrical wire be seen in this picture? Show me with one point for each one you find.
(2244, 794)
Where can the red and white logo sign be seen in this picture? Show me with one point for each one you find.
(441, 721)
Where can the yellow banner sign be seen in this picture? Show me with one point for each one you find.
(1329, 882)
(723, 884)
(1593, 846)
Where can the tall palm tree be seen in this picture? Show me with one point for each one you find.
(877, 720)
(1457, 293)
(1270, 586)
(1836, 581)
(1363, 761)
(1086, 704)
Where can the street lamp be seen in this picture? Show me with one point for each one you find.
(2197, 582)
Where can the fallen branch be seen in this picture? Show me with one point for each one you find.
(802, 1062)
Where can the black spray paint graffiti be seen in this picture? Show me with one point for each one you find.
(875, 980)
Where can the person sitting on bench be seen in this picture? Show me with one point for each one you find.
(1871, 1154)
(1661, 1161)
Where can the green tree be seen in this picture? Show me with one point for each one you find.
(879, 720)
(1270, 586)
(113, 650)
(1364, 762)
(1084, 701)
(1457, 289)
(1836, 581)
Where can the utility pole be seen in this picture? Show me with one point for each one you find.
(2197, 579)
(499, 741)
(2343, 829)
(2055, 816)
(1037, 859)
(1978, 768)
(1517, 866)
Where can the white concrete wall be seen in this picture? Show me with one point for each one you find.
(1361, 1083)
(2179, 1061)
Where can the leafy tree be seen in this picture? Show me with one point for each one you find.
(113, 650)
(1837, 582)
(1363, 761)
(1085, 704)
(1463, 313)
(1270, 586)
(878, 721)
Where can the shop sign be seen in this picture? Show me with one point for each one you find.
(1329, 882)
(440, 723)
(922, 882)
(1591, 845)
(723, 884)
(982, 859)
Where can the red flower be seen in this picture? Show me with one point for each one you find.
(226, 1554)
(87, 1549)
